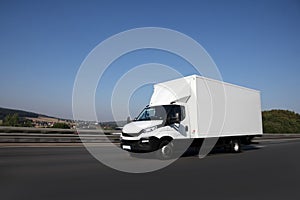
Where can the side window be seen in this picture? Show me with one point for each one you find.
(151, 112)
(178, 110)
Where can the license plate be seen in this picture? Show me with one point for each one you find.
(126, 147)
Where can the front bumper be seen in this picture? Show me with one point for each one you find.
(142, 145)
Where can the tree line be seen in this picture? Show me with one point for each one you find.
(281, 121)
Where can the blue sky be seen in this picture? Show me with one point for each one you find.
(43, 43)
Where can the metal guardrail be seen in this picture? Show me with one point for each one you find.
(278, 136)
(57, 138)
(8, 129)
(50, 135)
(88, 138)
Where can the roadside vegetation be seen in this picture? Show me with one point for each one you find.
(61, 125)
(281, 121)
(15, 120)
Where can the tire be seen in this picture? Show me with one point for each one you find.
(235, 146)
(165, 150)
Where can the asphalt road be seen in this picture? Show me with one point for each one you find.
(268, 170)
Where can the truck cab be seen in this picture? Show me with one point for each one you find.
(154, 128)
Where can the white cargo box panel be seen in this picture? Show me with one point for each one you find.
(238, 108)
(213, 108)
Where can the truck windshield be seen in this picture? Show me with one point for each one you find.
(161, 112)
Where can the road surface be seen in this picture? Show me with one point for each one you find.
(267, 170)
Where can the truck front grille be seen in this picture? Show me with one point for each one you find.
(130, 134)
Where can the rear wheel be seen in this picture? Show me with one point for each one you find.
(235, 146)
(165, 150)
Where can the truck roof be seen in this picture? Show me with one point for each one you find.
(210, 79)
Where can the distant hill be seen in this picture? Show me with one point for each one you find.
(21, 118)
(21, 113)
(281, 121)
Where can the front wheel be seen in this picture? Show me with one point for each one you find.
(165, 150)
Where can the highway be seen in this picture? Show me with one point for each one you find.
(265, 170)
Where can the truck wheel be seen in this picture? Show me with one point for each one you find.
(235, 146)
(165, 150)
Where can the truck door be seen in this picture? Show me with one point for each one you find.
(185, 123)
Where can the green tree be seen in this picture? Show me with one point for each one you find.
(27, 123)
(61, 125)
(11, 120)
(281, 121)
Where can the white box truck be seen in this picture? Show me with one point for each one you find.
(194, 108)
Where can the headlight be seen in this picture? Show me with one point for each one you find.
(146, 130)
